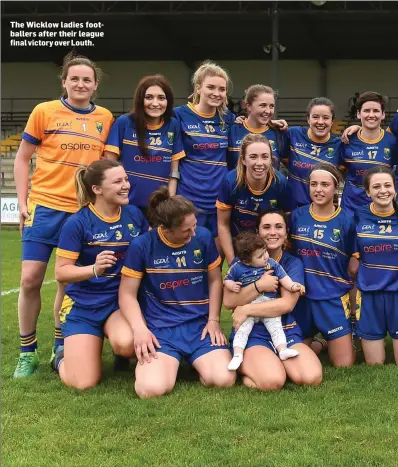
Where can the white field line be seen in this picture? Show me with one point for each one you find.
(8, 292)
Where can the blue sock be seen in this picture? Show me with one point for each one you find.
(58, 339)
(28, 342)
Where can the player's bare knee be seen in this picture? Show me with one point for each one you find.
(148, 390)
(224, 379)
(274, 383)
(83, 384)
(310, 378)
(123, 345)
(30, 282)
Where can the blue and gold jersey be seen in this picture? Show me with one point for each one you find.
(85, 235)
(393, 127)
(306, 152)
(277, 139)
(174, 285)
(246, 274)
(205, 140)
(377, 250)
(359, 156)
(145, 174)
(325, 246)
(245, 203)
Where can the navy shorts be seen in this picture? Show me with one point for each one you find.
(77, 319)
(183, 340)
(377, 314)
(209, 221)
(41, 233)
(260, 336)
(329, 317)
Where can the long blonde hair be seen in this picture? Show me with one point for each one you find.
(206, 69)
(241, 168)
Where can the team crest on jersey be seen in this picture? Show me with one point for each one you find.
(273, 203)
(197, 256)
(100, 127)
(329, 153)
(170, 137)
(118, 235)
(223, 126)
(335, 236)
(387, 154)
(133, 231)
(273, 145)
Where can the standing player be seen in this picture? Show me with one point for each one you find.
(260, 106)
(176, 268)
(148, 141)
(248, 190)
(90, 256)
(371, 146)
(65, 134)
(310, 146)
(377, 281)
(323, 238)
(393, 129)
(205, 124)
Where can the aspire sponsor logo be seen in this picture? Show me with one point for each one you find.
(174, 284)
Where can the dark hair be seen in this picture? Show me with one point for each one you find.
(168, 211)
(328, 168)
(320, 101)
(86, 177)
(246, 243)
(380, 169)
(370, 96)
(72, 60)
(271, 211)
(138, 112)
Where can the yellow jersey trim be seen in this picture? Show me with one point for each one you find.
(381, 214)
(315, 139)
(192, 107)
(113, 149)
(165, 241)
(371, 141)
(178, 156)
(155, 127)
(67, 254)
(323, 219)
(222, 206)
(214, 264)
(103, 218)
(131, 273)
(255, 130)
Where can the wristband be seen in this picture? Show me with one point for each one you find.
(175, 174)
(255, 286)
(94, 271)
(216, 320)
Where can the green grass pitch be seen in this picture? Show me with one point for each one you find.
(351, 420)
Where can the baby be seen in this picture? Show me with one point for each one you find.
(254, 261)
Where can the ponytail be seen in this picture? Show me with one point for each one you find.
(168, 211)
(87, 177)
(84, 194)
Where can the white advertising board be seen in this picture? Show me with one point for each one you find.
(9, 211)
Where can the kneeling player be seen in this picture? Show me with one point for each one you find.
(90, 257)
